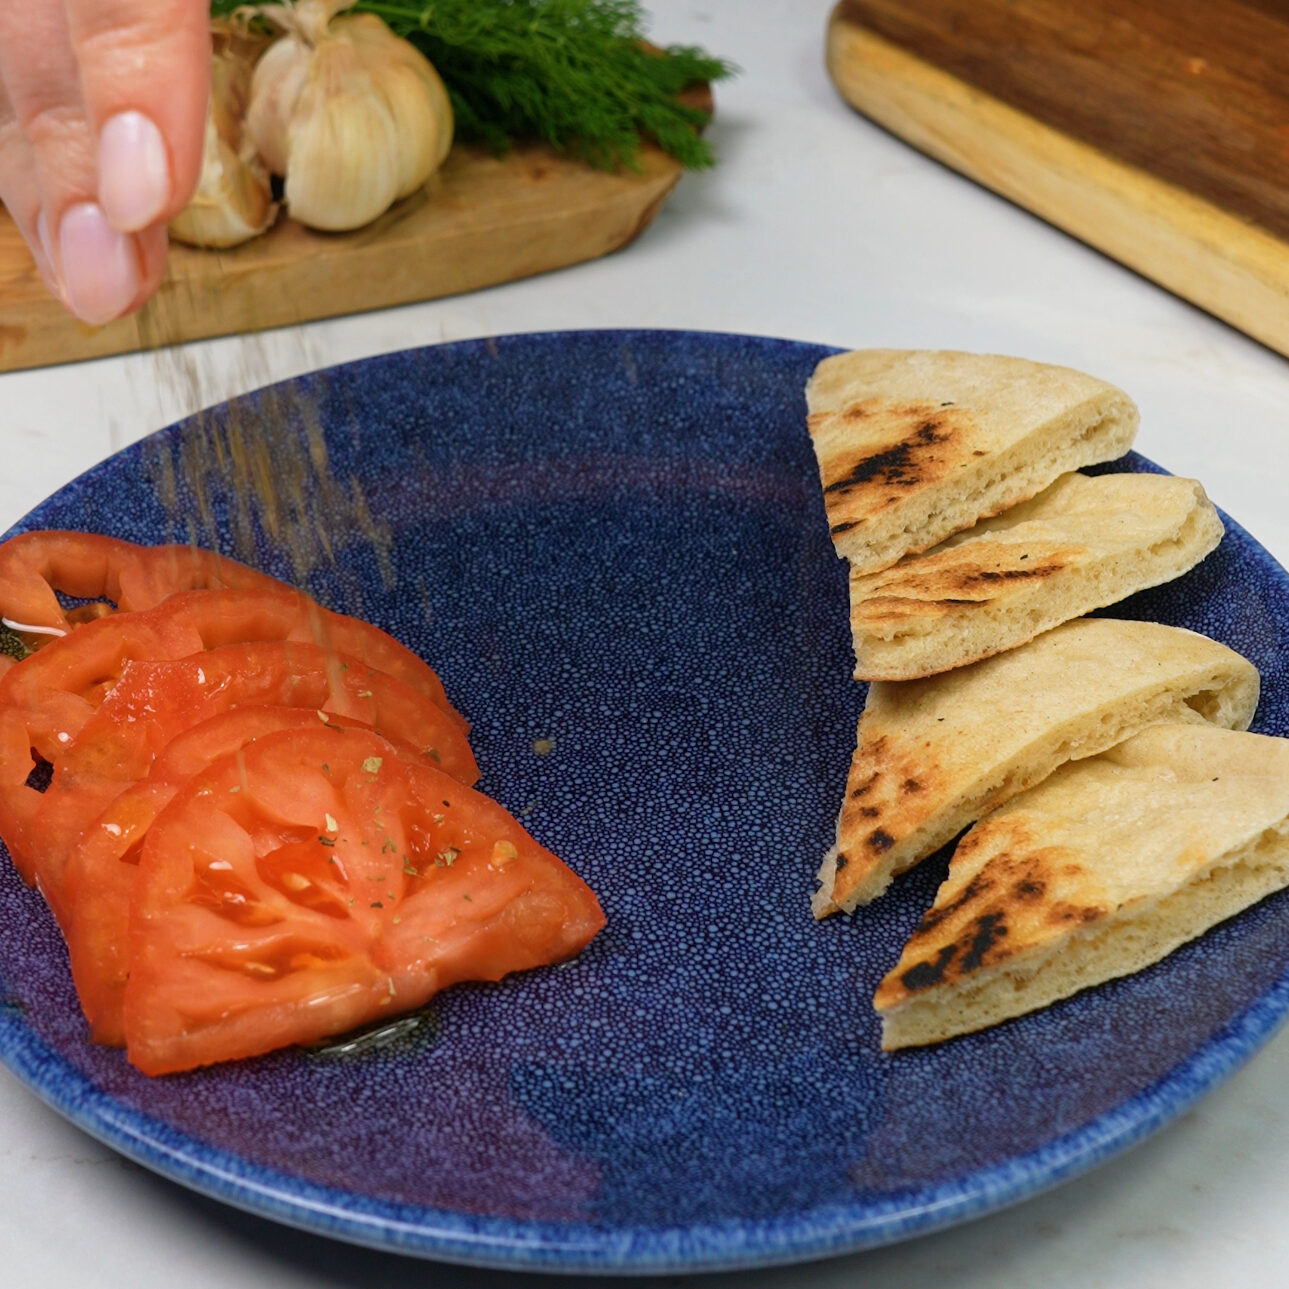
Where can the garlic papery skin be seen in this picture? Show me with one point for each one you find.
(415, 92)
(352, 116)
(279, 77)
(233, 201)
(342, 145)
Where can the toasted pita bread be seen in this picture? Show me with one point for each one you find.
(1079, 545)
(1108, 866)
(935, 755)
(914, 445)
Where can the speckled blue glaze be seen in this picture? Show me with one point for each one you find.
(623, 549)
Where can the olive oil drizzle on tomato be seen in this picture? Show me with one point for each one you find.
(420, 1029)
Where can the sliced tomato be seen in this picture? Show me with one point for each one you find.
(35, 566)
(47, 698)
(315, 881)
(154, 702)
(100, 870)
(228, 617)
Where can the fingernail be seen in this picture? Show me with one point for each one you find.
(133, 172)
(100, 267)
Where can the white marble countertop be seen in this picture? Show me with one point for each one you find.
(815, 226)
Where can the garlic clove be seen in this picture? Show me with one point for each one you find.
(278, 79)
(342, 166)
(415, 92)
(233, 201)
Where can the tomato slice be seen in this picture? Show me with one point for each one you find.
(228, 617)
(153, 702)
(277, 902)
(46, 699)
(99, 874)
(35, 566)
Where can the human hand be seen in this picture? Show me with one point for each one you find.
(102, 117)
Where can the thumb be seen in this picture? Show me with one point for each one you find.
(145, 79)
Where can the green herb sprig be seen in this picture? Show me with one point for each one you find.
(12, 644)
(577, 74)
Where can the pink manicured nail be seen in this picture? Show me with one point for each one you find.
(100, 267)
(133, 172)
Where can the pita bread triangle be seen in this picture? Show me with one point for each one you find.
(1103, 869)
(1081, 544)
(914, 445)
(935, 755)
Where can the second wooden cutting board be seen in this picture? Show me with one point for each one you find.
(1155, 130)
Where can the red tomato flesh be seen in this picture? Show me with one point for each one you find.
(34, 566)
(99, 874)
(47, 699)
(230, 617)
(278, 902)
(153, 702)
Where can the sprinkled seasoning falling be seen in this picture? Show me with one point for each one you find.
(253, 478)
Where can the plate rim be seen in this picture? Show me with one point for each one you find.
(504, 1243)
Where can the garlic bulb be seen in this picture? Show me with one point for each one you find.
(351, 115)
(233, 202)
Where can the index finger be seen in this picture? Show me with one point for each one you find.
(145, 80)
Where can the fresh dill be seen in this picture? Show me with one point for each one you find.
(12, 644)
(578, 74)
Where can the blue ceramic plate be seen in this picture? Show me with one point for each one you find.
(615, 541)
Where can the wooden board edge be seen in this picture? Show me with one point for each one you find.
(1239, 273)
(41, 333)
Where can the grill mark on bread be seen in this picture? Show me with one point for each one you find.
(997, 906)
(932, 593)
(1010, 574)
(989, 929)
(958, 575)
(1063, 913)
(887, 791)
(899, 465)
(974, 890)
(986, 931)
(923, 975)
(863, 789)
(924, 443)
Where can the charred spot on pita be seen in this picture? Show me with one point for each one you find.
(972, 892)
(880, 841)
(990, 928)
(1012, 574)
(907, 463)
(1065, 913)
(863, 789)
(1029, 889)
(923, 975)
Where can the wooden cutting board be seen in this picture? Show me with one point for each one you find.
(1155, 130)
(480, 221)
